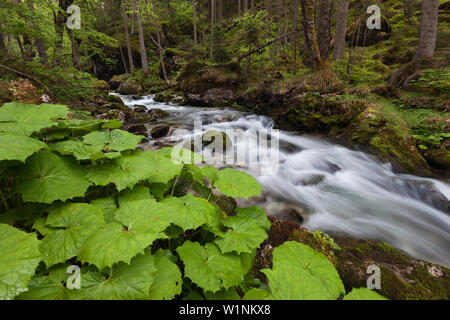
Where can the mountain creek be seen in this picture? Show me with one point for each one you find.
(326, 186)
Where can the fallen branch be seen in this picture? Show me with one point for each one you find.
(26, 75)
(267, 44)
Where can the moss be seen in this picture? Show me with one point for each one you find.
(438, 157)
(402, 277)
(101, 85)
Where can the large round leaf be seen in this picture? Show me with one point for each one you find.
(237, 184)
(139, 226)
(18, 147)
(301, 273)
(72, 224)
(116, 140)
(19, 258)
(208, 268)
(25, 119)
(127, 171)
(188, 212)
(46, 177)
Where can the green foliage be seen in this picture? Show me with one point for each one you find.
(435, 80)
(121, 221)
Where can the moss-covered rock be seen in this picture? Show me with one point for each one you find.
(391, 141)
(198, 78)
(101, 85)
(130, 88)
(117, 80)
(402, 277)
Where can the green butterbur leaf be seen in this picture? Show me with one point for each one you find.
(256, 214)
(237, 184)
(208, 267)
(301, 273)
(244, 235)
(25, 119)
(256, 294)
(77, 221)
(139, 226)
(116, 140)
(167, 281)
(48, 177)
(18, 147)
(127, 171)
(363, 294)
(19, 258)
(125, 282)
(50, 287)
(188, 212)
(78, 149)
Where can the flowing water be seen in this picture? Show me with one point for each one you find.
(334, 188)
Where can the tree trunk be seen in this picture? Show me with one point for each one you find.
(294, 29)
(408, 8)
(312, 58)
(60, 19)
(252, 7)
(127, 37)
(239, 8)
(211, 49)
(194, 14)
(341, 28)
(133, 16)
(323, 30)
(245, 6)
(428, 29)
(161, 57)
(141, 39)
(75, 50)
(425, 48)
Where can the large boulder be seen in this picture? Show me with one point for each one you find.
(117, 80)
(101, 85)
(160, 131)
(130, 88)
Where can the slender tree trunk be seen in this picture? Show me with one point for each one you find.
(60, 19)
(341, 28)
(133, 15)
(239, 8)
(161, 57)
(425, 48)
(408, 8)
(2, 42)
(252, 7)
(312, 59)
(141, 39)
(194, 14)
(127, 37)
(211, 48)
(323, 30)
(75, 50)
(294, 29)
(245, 6)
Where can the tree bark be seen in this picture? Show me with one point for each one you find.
(161, 57)
(294, 29)
(425, 48)
(194, 16)
(144, 60)
(312, 59)
(127, 37)
(323, 30)
(75, 49)
(341, 29)
(211, 48)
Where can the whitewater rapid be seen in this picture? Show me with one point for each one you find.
(334, 188)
